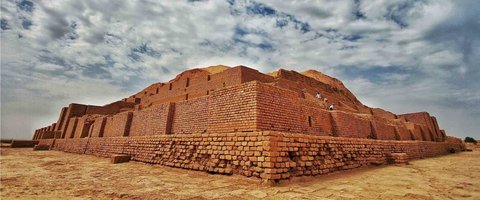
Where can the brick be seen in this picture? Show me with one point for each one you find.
(119, 158)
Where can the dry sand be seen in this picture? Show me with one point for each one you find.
(27, 174)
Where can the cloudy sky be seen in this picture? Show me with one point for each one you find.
(403, 56)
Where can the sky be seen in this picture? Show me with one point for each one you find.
(403, 56)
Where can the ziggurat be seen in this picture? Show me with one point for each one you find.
(240, 121)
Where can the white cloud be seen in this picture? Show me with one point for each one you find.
(48, 67)
(100, 51)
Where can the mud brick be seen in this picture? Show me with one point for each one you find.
(397, 158)
(268, 164)
(23, 143)
(260, 159)
(41, 147)
(119, 158)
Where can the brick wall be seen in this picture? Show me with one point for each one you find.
(249, 74)
(98, 127)
(71, 128)
(443, 134)
(404, 133)
(302, 155)
(39, 132)
(278, 109)
(190, 84)
(415, 130)
(233, 109)
(52, 127)
(83, 127)
(225, 153)
(191, 116)
(315, 120)
(423, 118)
(46, 142)
(35, 134)
(77, 145)
(59, 144)
(153, 120)
(332, 89)
(23, 143)
(105, 147)
(109, 109)
(383, 113)
(426, 133)
(351, 125)
(61, 119)
(267, 155)
(47, 134)
(73, 110)
(364, 109)
(439, 136)
(118, 125)
(384, 131)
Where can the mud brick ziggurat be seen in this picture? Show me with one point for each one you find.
(240, 121)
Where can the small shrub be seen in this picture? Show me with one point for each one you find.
(470, 140)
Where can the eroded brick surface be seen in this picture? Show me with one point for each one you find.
(267, 155)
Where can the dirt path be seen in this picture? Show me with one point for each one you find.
(27, 174)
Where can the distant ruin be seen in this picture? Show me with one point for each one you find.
(240, 121)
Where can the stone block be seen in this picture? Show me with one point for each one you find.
(397, 158)
(119, 158)
(41, 147)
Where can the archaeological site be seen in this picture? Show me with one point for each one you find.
(237, 120)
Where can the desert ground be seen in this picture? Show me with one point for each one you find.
(27, 174)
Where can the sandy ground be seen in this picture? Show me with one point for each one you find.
(27, 174)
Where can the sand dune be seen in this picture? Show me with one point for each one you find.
(27, 174)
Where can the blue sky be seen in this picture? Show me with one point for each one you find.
(403, 56)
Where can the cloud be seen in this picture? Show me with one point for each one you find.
(403, 56)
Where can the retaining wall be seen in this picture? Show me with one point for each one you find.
(272, 156)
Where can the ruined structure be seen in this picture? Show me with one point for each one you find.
(240, 121)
